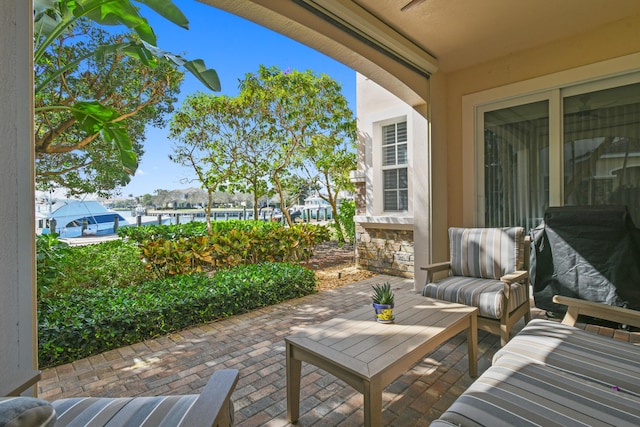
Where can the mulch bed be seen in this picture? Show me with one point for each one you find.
(335, 266)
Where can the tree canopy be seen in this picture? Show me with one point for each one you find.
(66, 154)
(307, 119)
(208, 141)
(286, 132)
(95, 91)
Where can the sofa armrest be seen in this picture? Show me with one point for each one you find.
(213, 406)
(434, 268)
(576, 307)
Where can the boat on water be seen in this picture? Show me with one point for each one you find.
(316, 207)
(77, 218)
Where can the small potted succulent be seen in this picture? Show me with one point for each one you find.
(382, 297)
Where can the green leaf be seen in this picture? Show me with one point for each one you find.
(119, 135)
(115, 12)
(135, 50)
(208, 77)
(93, 117)
(46, 16)
(169, 11)
(139, 52)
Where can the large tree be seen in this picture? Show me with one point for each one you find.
(331, 159)
(77, 124)
(208, 141)
(253, 166)
(295, 108)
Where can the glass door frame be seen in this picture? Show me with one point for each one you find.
(553, 87)
(555, 146)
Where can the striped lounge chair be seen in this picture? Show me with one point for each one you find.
(486, 270)
(213, 407)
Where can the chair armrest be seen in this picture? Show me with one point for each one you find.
(434, 268)
(440, 266)
(516, 276)
(576, 307)
(212, 408)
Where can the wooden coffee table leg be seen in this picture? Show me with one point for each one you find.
(294, 369)
(472, 344)
(372, 403)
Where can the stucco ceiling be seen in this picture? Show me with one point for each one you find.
(460, 33)
(431, 36)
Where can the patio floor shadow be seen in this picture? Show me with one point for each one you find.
(253, 343)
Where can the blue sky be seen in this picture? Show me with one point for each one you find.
(233, 47)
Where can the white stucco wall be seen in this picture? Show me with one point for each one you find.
(376, 105)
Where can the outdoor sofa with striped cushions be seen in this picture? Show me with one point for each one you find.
(486, 270)
(554, 375)
(600, 358)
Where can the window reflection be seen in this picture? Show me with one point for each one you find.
(602, 148)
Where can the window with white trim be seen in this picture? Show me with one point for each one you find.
(395, 167)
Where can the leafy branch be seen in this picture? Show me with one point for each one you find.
(54, 20)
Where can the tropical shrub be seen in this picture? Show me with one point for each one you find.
(93, 320)
(171, 250)
(97, 297)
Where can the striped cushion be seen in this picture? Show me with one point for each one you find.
(610, 362)
(486, 252)
(161, 411)
(486, 294)
(515, 392)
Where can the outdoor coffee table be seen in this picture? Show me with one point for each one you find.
(369, 355)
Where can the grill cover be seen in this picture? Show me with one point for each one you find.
(586, 252)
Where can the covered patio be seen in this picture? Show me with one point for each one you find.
(253, 343)
(447, 89)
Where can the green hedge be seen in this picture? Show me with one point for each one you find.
(63, 268)
(192, 229)
(90, 321)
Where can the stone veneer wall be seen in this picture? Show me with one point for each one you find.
(385, 251)
(361, 198)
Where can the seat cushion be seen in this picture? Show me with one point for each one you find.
(124, 412)
(516, 392)
(486, 294)
(615, 364)
(159, 411)
(489, 253)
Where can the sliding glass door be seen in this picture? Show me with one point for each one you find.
(602, 148)
(516, 164)
(571, 146)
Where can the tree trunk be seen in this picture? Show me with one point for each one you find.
(208, 210)
(283, 208)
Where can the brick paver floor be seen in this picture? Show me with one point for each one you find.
(253, 343)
